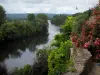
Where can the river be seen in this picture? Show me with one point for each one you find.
(22, 52)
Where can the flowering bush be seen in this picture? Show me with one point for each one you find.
(90, 34)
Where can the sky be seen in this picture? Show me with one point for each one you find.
(47, 6)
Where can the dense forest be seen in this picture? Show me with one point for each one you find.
(14, 29)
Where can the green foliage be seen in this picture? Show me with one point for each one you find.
(13, 30)
(73, 70)
(27, 70)
(22, 28)
(67, 27)
(59, 59)
(79, 19)
(58, 19)
(31, 17)
(42, 17)
(42, 22)
(66, 30)
(1, 36)
(43, 54)
(58, 39)
(2, 15)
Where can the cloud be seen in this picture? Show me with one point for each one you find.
(47, 6)
(33, 1)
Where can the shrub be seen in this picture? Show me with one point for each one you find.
(66, 31)
(59, 59)
(27, 70)
(79, 20)
(41, 65)
(90, 37)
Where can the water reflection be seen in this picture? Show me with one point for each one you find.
(21, 52)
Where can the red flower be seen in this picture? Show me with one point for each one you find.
(88, 34)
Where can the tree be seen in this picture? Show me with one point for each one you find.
(42, 16)
(31, 17)
(2, 15)
(58, 19)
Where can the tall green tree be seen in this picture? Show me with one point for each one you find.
(31, 17)
(58, 19)
(42, 16)
(2, 15)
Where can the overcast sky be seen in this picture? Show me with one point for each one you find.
(47, 6)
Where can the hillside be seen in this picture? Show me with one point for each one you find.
(24, 15)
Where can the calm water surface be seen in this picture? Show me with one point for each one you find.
(21, 52)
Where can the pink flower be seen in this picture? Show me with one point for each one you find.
(96, 42)
(87, 44)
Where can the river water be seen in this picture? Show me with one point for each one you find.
(22, 52)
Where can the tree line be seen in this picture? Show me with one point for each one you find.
(14, 29)
(58, 19)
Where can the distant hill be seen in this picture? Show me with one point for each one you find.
(24, 16)
(16, 16)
